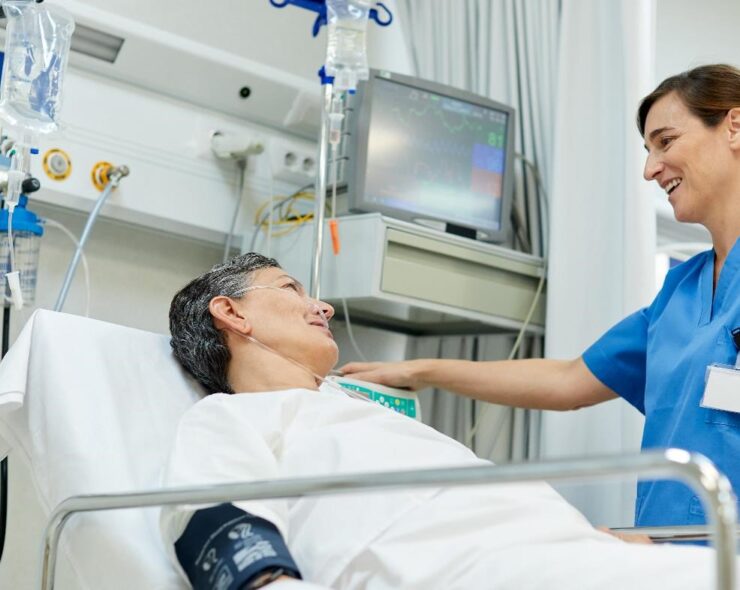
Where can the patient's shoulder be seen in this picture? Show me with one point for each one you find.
(225, 406)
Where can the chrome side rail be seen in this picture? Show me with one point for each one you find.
(672, 534)
(696, 470)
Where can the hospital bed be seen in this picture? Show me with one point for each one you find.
(87, 413)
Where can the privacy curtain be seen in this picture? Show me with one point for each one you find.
(602, 247)
(505, 50)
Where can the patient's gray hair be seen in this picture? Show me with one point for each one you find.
(197, 344)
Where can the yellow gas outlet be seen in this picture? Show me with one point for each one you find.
(57, 164)
(99, 174)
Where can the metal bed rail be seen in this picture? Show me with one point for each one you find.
(696, 470)
(673, 534)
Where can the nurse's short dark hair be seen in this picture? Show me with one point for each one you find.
(707, 91)
(197, 344)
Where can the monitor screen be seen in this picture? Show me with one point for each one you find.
(430, 155)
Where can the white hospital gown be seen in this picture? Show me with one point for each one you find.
(505, 536)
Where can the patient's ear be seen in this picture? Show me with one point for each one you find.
(227, 316)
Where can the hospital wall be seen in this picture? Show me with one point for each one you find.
(167, 221)
(689, 34)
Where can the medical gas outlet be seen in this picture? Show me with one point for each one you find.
(103, 172)
(57, 164)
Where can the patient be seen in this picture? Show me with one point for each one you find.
(268, 416)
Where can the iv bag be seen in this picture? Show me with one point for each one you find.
(346, 49)
(37, 42)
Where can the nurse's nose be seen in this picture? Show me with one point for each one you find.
(653, 167)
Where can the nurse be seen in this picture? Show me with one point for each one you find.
(657, 359)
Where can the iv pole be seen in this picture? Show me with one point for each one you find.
(327, 82)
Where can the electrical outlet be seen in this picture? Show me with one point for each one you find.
(292, 161)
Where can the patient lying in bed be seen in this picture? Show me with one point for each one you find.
(270, 417)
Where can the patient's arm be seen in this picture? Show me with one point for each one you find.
(627, 537)
(214, 444)
(225, 547)
(531, 383)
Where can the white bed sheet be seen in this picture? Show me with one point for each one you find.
(512, 536)
(88, 407)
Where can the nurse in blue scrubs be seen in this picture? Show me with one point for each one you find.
(656, 359)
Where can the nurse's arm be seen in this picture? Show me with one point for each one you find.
(531, 383)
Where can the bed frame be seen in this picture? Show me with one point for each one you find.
(696, 470)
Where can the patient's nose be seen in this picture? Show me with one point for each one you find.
(326, 310)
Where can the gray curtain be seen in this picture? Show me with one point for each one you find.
(505, 50)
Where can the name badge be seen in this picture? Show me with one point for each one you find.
(722, 390)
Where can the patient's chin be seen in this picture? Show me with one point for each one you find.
(327, 361)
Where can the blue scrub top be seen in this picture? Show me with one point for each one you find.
(657, 359)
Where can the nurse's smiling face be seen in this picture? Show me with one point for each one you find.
(696, 165)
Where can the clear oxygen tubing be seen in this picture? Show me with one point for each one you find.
(115, 177)
(319, 210)
(318, 378)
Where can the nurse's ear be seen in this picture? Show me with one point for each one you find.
(733, 127)
(227, 315)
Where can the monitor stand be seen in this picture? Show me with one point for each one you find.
(459, 230)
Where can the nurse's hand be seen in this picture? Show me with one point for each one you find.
(403, 374)
(627, 537)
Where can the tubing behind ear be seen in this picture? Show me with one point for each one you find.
(224, 547)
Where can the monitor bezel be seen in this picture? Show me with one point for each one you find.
(359, 129)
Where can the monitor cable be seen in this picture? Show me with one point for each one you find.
(544, 204)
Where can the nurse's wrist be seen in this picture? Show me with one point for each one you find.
(422, 373)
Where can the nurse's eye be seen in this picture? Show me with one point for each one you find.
(665, 141)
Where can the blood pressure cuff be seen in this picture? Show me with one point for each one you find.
(224, 547)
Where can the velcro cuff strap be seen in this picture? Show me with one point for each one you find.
(224, 547)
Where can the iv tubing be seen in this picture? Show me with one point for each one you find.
(115, 177)
(11, 208)
(315, 284)
(85, 268)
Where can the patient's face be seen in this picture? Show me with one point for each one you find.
(287, 320)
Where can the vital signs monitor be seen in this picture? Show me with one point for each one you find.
(433, 154)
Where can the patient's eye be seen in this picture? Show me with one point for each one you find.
(292, 285)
